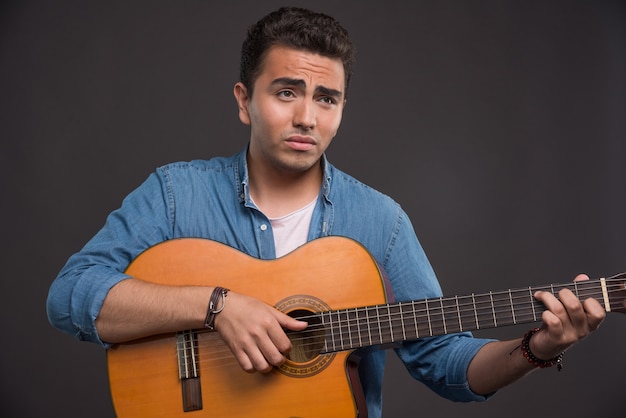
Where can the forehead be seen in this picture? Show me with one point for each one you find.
(312, 68)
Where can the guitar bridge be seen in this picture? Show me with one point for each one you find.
(188, 370)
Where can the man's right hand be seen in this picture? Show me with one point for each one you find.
(253, 330)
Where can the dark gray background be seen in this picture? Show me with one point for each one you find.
(498, 125)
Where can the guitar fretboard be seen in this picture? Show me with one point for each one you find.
(353, 328)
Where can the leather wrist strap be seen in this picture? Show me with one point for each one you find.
(213, 309)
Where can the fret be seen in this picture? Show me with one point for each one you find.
(369, 328)
(325, 326)
(484, 312)
(421, 315)
(357, 321)
(512, 307)
(390, 322)
(430, 323)
(338, 330)
(383, 323)
(343, 332)
(493, 310)
(351, 325)
(522, 306)
(451, 318)
(532, 298)
(415, 323)
(503, 308)
(582, 290)
(458, 312)
(475, 311)
(344, 326)
(468, 316)
(386, 326)
(555, 289)
(380, 333)
(403, 322)
(435, 316)
(399, 317)
(332, 331)
(443, 316)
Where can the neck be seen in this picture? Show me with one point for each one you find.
(279, 192)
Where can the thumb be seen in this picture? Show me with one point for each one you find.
(291, 323)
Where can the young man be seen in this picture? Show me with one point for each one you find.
(273, 197)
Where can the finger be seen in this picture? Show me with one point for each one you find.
(244, 361)
(289, 322)
(581, 277)
(577, 325)
(258, 360)
(592, 311)
(278, 335)
(595, 313)
(281, 344)
(554, 317)
(553, 323)
(274, 347)
(552, 304)
(259, 354)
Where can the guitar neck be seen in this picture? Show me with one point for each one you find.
(396, 322)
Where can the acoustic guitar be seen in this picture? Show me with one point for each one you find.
(338, 288)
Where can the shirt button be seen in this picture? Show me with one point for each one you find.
(263, 227)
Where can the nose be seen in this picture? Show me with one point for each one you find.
(304, 115)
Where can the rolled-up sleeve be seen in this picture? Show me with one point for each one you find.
(441, 364)
(77, 294)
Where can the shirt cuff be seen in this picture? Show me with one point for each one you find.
(87, 298)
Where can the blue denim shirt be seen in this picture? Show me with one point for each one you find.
(210, 199)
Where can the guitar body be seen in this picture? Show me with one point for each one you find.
(328, 273)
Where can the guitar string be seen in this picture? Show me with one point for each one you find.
(384, 320)
(497, 305)
(493, 306)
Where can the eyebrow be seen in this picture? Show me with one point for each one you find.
(298, 82)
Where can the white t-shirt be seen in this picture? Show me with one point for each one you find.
(291, 231)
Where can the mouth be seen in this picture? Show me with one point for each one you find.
(301, 142)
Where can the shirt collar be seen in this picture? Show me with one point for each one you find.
(242, 180)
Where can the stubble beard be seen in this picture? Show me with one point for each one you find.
(294, 164)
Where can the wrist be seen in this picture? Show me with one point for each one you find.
(217, 303)
(533, 359)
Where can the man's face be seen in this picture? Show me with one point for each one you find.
(295, 110)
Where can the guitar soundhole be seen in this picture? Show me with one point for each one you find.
(306, 344)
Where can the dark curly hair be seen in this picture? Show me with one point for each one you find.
(299, 29)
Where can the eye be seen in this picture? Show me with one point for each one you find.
(286, 94)
(328, 100)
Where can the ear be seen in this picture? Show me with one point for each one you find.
(243, 101)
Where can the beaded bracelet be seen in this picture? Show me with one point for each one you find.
(218, 292)
(525, 347)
